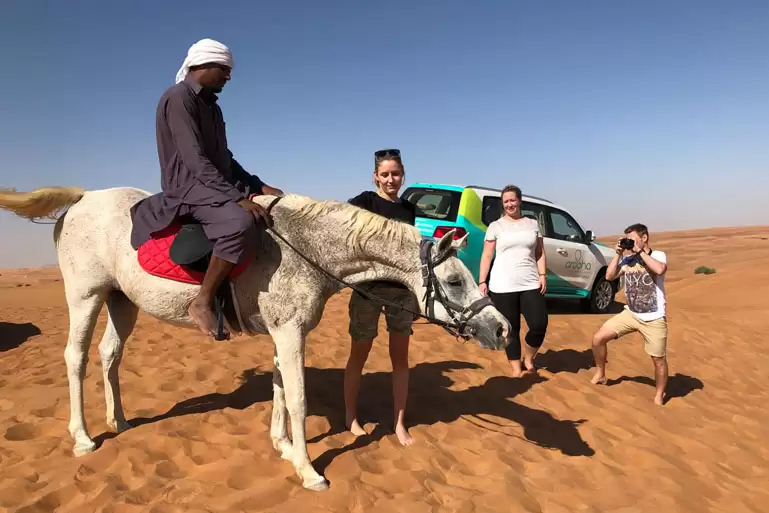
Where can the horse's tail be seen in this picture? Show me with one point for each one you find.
(46, 202)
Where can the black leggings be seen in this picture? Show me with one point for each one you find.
(532, 304)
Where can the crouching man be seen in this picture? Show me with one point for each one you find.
(644, 271)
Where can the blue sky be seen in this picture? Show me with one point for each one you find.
(621, 111)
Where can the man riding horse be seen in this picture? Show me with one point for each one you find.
(200, 178)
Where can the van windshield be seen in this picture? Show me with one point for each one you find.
(439, 204)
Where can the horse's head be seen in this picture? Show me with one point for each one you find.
(452, 296)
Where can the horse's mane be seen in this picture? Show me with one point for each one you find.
(361, 225)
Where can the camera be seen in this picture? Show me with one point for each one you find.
(626, 243)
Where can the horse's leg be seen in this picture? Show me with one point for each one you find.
(121, 318)
(279, 429)
(289, 344)
(83, 312)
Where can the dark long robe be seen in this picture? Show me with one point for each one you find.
(199, 175)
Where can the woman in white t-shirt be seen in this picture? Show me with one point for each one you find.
(517, 283)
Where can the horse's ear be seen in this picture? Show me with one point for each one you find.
(444, 247)
(460, 242)
(445, 243)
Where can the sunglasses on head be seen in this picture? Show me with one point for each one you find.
(392, 152)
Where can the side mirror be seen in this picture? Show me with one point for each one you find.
(590, 236)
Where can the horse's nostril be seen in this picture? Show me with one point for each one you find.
(500, 331)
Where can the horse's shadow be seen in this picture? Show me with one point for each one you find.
(254, 388)
(13, 335)
(431, 400)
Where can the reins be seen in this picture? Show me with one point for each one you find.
(455, 328)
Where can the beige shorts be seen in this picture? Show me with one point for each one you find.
(364, 313)
(654, 333)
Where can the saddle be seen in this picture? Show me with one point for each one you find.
(182, 252)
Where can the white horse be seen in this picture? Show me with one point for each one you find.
(283, 292)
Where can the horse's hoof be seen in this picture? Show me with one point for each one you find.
(317, 486)
(82, 449)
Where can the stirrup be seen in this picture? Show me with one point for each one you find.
(219, 303)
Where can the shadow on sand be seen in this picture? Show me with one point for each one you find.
(431, 400)
(254, 388)
(571, 360)
(679, 385)
(13, 335)
(565, 360)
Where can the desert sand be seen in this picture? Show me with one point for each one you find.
(549, 443)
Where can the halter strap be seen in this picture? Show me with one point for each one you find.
(433, 290)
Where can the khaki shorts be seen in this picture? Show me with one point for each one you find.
(654, 333)
(364, 313)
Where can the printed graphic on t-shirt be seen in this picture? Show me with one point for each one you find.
(640, 289)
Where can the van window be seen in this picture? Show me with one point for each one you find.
(492, 210)
(437, 204)
(565, 227)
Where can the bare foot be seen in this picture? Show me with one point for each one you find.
(599, 378)
(204, 317)
(403, 435)
(515, 366)
(659, 400)
(530, 366)
(355, 428)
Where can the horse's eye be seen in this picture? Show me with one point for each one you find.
(455, 283)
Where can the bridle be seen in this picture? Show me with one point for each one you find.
(460, 316)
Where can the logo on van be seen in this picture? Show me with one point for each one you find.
(579, 262)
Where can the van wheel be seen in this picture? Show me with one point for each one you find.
(602, 296)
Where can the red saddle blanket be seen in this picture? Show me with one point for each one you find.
(154, 258)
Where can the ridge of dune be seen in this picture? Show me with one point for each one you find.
(484, 442)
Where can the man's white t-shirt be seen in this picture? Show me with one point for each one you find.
(515, 265)
(645, 292)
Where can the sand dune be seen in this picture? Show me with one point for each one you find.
(485, 442)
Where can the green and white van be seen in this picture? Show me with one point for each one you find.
(576, 264)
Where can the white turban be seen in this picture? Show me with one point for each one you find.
(205, 51)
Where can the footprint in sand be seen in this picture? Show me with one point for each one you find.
(169, 386)
(32, 478)
(240, 479)
(44, 412)
(169, 470)
(20, 432)
(84, 472)
(203, 372)
(205, 457)
(239, 430)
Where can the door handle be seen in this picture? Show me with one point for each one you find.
(562, 252)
